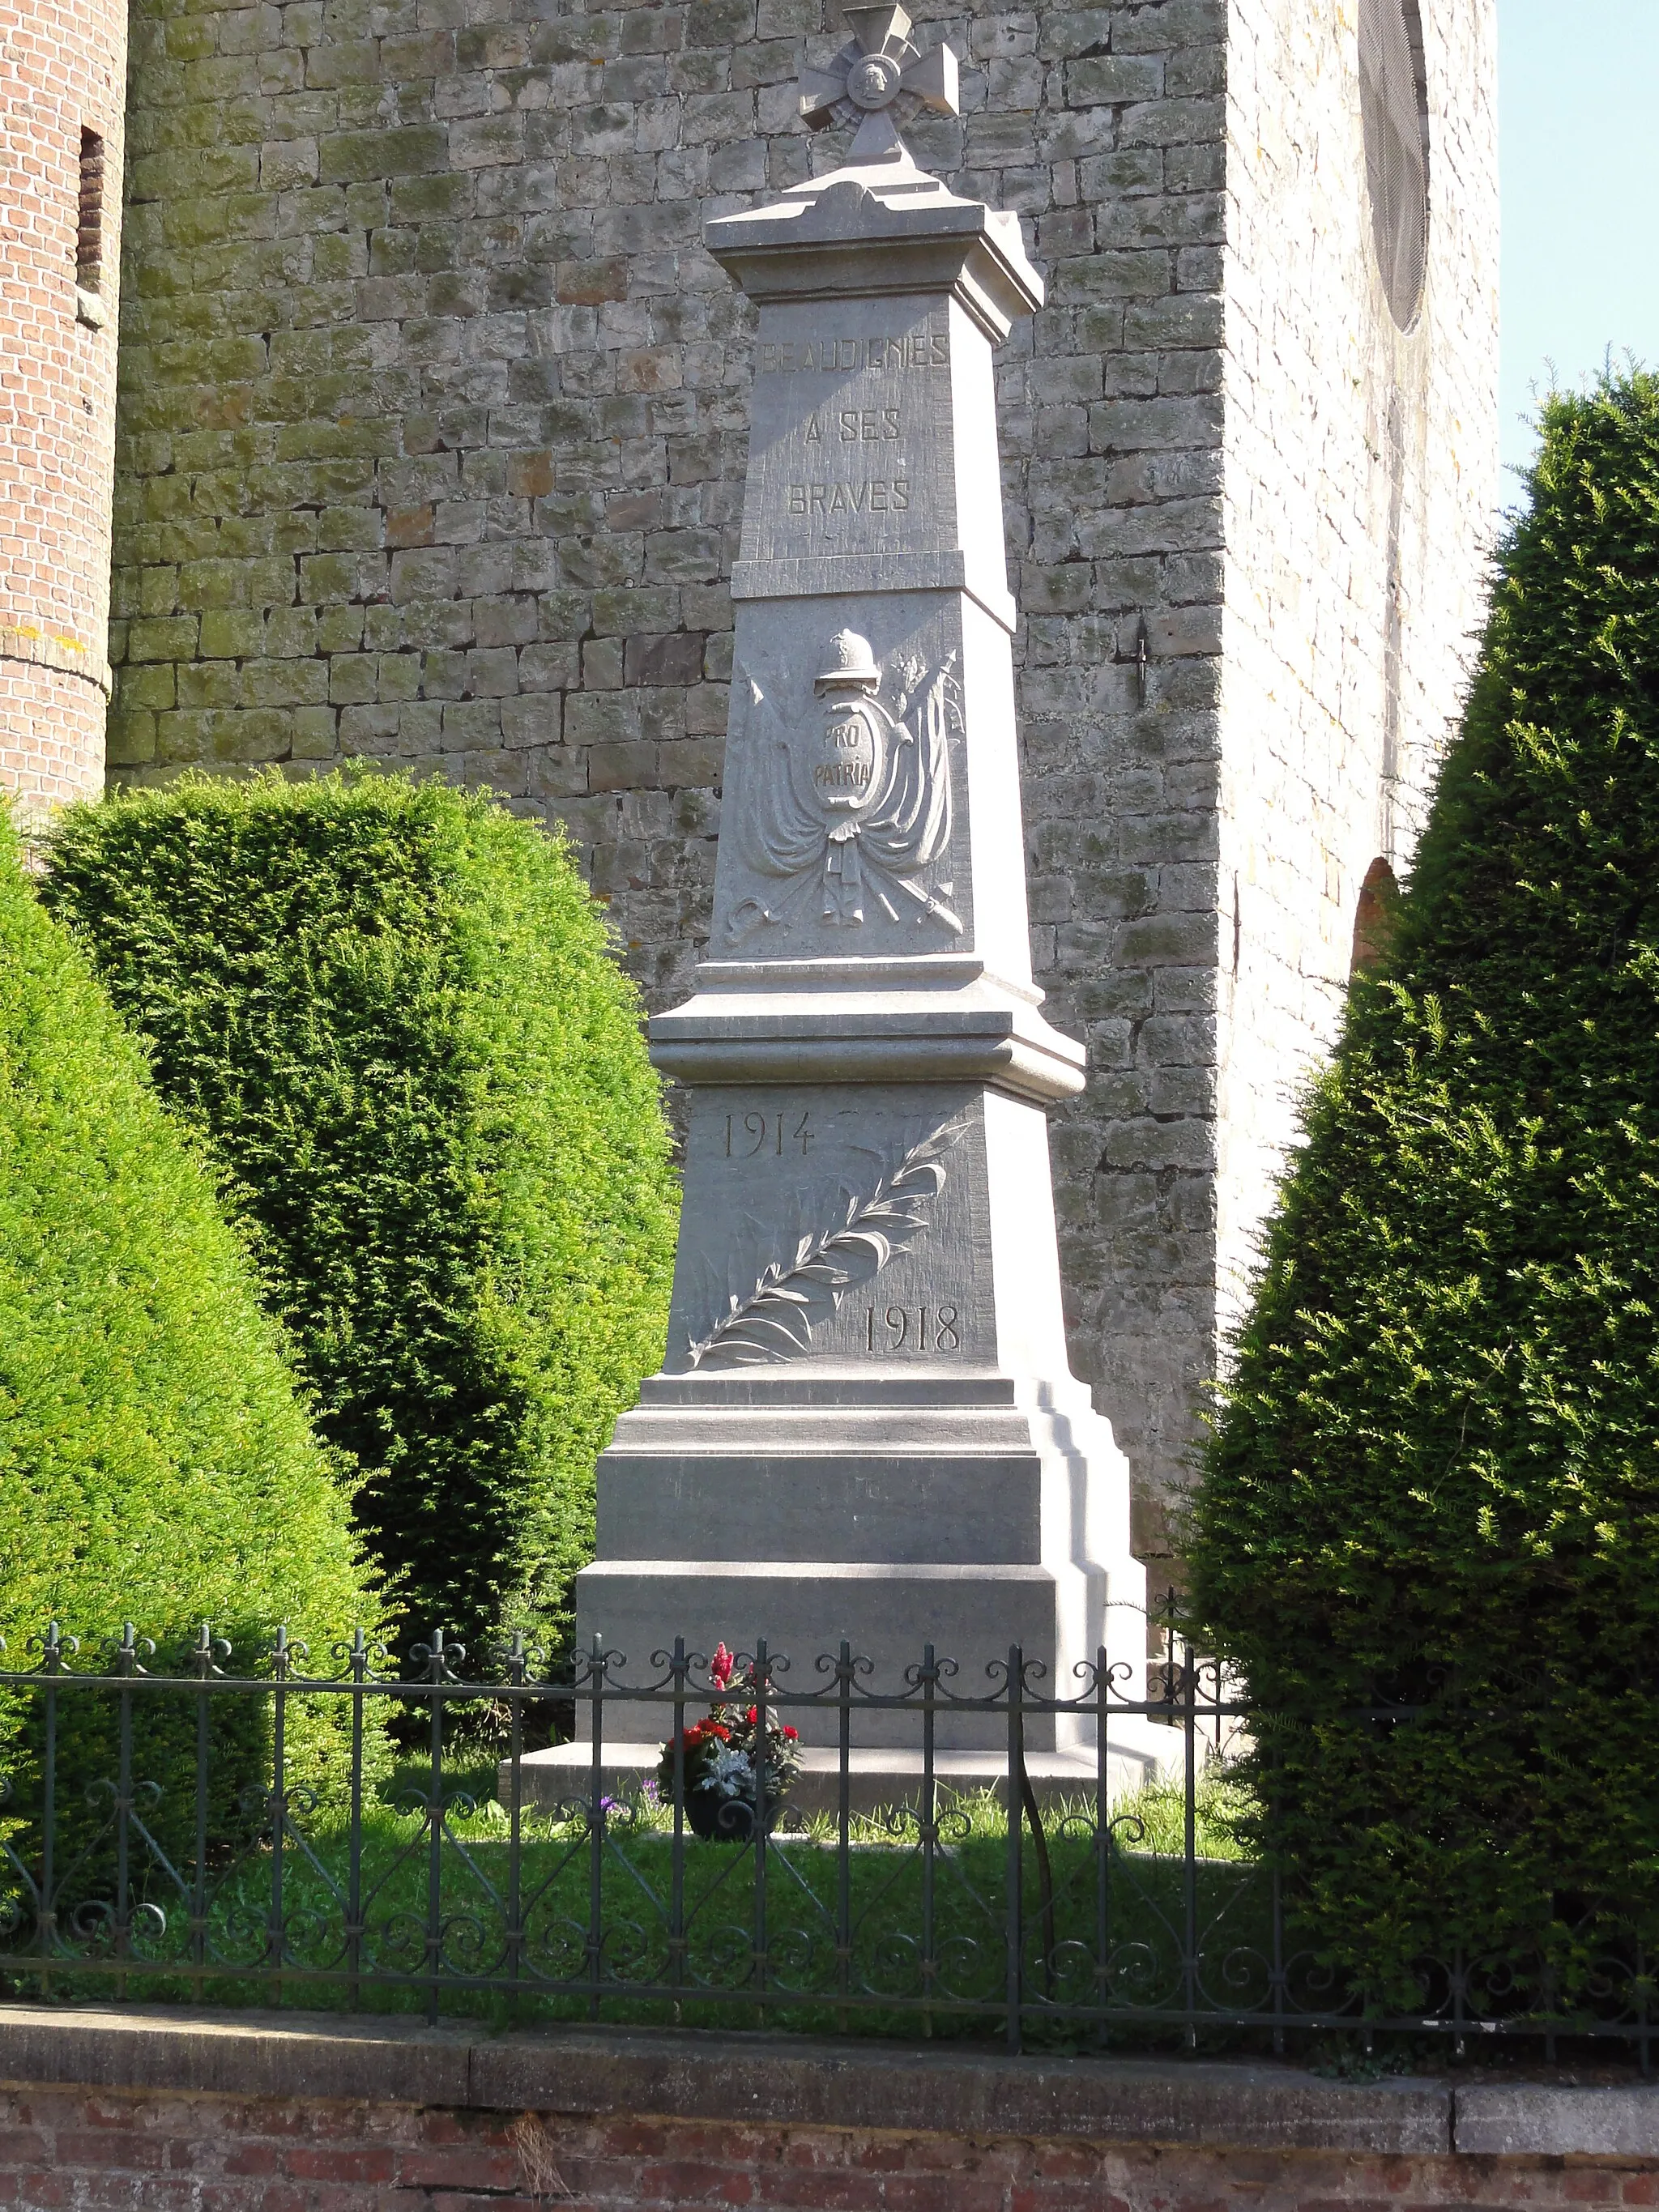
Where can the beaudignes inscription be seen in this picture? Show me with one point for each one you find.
(847, 357)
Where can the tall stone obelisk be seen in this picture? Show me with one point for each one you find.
(866, 1426)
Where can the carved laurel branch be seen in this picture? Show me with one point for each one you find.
(777, 1318)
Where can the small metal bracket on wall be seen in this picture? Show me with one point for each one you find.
(1136, 657)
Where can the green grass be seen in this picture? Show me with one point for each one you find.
(926, 1949)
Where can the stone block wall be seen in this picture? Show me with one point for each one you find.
(63, 67)
(1361, 487)
(433, 426)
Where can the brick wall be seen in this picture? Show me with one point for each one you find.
(65, 2148)
(62, 69)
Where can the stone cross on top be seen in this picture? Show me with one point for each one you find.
(877, 65)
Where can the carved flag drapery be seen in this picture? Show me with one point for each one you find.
(855, 798)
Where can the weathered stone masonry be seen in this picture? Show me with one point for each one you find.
(432, 445)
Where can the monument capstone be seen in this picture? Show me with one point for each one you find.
(866, 1426)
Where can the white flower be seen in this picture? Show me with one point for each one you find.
(731, 1773)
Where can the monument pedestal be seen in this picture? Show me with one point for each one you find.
(891, 1510)
(878, 1781)
(866, 1427)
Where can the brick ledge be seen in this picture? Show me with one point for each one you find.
(807, 2082)
(53, 649)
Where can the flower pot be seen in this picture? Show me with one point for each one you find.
(719, 1818)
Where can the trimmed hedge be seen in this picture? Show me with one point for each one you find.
(1435, 1478)
(155, 1463)
(391, 1011)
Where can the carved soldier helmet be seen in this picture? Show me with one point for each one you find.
(855, 667)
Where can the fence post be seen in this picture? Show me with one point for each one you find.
(677, 1943)
(758, 1682)
(51, 1660)
(1281, 1974)
(1016, 1931)
(929, 1834)
(1189, 1837)
(518, 1667)
(437, 1668)
(126, 1662)
(276, 1946)
(358, 1657)
(844, 1825)
(1102, 1843)
(596, 1677)
(202, 1658)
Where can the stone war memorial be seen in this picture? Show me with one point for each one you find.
(866, 1427)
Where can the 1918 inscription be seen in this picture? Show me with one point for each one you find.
(912, 1328)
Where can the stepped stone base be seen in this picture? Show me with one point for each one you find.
(1137, 1752)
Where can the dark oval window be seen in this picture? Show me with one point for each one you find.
(1394, 101)
(1374, 918)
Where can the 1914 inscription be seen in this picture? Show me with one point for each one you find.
(747, 1136)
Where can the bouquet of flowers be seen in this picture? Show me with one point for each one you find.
(723, 1756)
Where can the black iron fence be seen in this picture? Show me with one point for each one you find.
(185, 1825)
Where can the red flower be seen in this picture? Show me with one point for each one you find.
(721, 1668)
(753, 1714)
(793, 1734)
(699, 1731)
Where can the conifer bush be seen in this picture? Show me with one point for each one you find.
(156, 1464)
(391, 1012)
(1434, 1481)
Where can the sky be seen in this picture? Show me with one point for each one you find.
(1578, 113)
